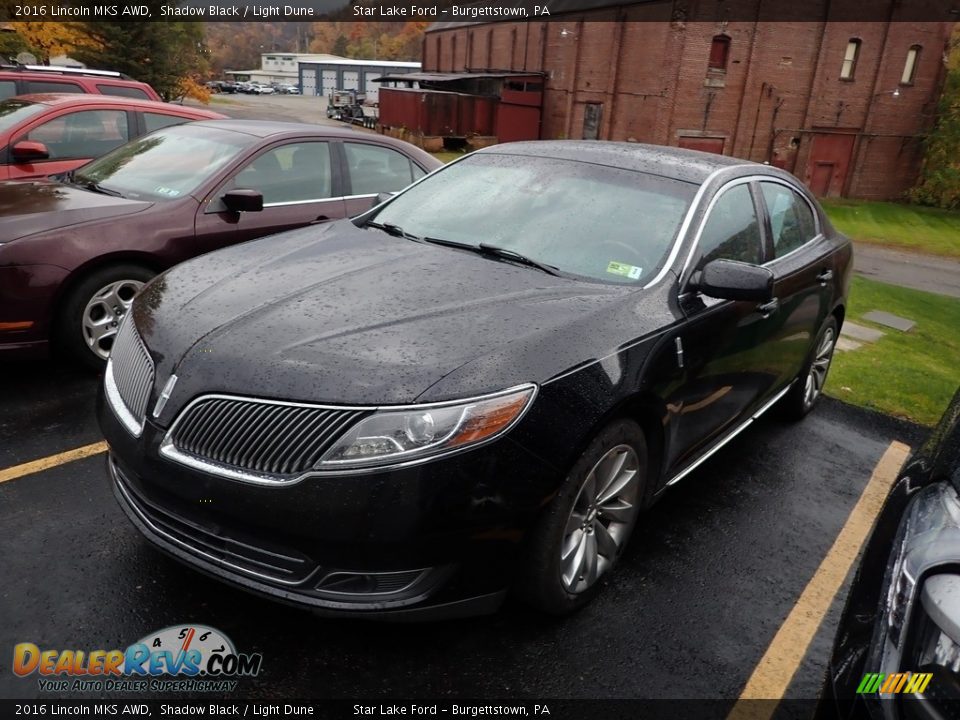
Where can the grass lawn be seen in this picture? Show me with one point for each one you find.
(911, 375)
(906, 227)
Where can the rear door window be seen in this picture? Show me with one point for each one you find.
(51, 86)
(156, 121)
(791, 220)
(8, 88)
(375, 169)
(123, 91)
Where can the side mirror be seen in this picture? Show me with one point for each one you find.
(243, 200)
(383, 197)
(29, 151)
(731, 280)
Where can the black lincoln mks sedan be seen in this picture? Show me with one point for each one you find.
(477, 385)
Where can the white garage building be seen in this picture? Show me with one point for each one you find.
(321, 76)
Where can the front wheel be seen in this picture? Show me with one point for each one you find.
(808, 388)
(587, 525)
(93, 310)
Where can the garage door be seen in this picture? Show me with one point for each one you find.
(309, 82)
(351, 80)
(329, 82)
(371, 88)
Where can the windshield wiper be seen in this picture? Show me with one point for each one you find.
(498, 252)
(516, 257)
(391, 229)
(97, 187)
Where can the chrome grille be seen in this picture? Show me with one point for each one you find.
(259, 436)
(132, 369)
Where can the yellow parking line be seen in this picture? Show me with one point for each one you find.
(35, 466)
(775, 671)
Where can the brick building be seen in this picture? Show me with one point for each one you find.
(843, 105)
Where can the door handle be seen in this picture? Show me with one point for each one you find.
(768, 308)
(825, 277)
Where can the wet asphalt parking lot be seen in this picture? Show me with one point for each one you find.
(712, 574)
(709, 578)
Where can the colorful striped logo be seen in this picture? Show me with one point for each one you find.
(906, 682)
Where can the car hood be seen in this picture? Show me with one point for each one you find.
(354, 316)
(28, 207)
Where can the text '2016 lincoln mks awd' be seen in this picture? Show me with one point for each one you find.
(475, 386)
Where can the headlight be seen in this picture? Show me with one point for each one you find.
(415, 432)
(933, 517)
(940, 639)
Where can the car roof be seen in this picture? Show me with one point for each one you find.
(271, 128)
(672, 162)
(79, 99)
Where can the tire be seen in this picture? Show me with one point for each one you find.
(808, 388)
(92, 311)
(548, 580)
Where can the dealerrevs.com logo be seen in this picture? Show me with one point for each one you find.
(179, 658)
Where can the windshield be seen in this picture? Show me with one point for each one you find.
(164, 165)
(13, 112)
(588, 220)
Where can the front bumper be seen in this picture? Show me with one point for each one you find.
(431, 541)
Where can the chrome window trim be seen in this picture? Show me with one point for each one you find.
(170, 451)
(739, 181)
(684, 228)
(287, 203)
(117, 405)
(730, 436)
(744, 179)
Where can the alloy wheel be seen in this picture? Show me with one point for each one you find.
(819, 368)
(601, 519)
(103, 313)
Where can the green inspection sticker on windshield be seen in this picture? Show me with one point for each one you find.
(631, 271)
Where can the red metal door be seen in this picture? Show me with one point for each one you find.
(829, 162)
(821, 177)
(704, 144)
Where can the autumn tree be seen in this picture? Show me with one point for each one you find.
(11, 45)
(370, 40)
(939, 183)
(238, 46)
(170, 56)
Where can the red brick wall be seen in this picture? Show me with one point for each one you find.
(782, 82)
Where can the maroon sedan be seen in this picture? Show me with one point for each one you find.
(74, 252)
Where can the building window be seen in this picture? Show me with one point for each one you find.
(849, 66)
(719, 53)
(910, 66)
